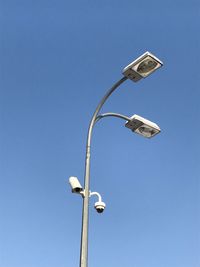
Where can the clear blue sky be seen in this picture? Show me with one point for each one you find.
(57, 59)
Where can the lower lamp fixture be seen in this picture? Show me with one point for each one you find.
(142, 126)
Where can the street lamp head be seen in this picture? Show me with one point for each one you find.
(142, 126)
(142, 67)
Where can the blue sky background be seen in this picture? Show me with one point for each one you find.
(57, 60)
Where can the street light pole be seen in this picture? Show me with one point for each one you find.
(135, 71)
(85, 211)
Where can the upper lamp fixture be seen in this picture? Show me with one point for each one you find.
(142, 126)
(142, 67)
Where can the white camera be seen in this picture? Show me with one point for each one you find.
(75, 185)
(99, 206)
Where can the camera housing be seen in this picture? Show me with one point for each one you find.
(99, 206)
(75, 185)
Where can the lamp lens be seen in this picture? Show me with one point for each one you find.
(146, 131)
(146, 66)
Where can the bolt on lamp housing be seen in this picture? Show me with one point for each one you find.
(142, 67)
(142, 126)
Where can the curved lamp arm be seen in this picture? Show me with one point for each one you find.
(101, 116)
(101, 103)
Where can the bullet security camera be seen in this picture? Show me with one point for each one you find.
(75, 185)
(99, 206)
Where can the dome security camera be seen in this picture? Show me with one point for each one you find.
(99, 206)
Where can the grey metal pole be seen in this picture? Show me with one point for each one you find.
(85, 211)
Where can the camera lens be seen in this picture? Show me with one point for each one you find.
(100, 210)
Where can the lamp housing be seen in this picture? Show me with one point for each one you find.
(142, 67)
(142, 126)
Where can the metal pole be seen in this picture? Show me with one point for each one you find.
(85, 211)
